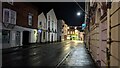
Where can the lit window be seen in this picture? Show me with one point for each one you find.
(71, 32)
(75, 27)
(68, 32)
(30, 19)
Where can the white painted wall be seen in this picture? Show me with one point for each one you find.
(12, 38)
(53, 20)
(42, 18)
(33, 36)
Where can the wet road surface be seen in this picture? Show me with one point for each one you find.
(78, 58)
(42, 55)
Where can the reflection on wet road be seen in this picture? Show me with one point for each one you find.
(78, 58)
(43, 55)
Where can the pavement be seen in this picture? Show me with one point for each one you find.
(78, 58)
(47, 55)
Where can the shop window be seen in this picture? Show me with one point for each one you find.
(5, 36)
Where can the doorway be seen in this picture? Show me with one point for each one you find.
(17, 38)
(25, 38)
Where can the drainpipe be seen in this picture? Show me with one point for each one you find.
(108, 48)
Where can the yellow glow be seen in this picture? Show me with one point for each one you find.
(68, 28)
(68, 32)
(75, 27)
(71, 32)
(76, 31)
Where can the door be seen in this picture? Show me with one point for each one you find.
(40, 37)
(17, 38)
(25, 38)
(52, 38)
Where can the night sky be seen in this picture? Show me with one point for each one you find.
(63, 10)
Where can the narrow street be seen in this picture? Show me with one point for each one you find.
(48, 55)
(80, 34)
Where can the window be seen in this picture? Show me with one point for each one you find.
(43, 35)
(13, 17)
(30, 19)
(40, 23)
(49, 17)
(68, 32)
(52, 25)
(71, 32)
(5, 36)
(49, 23)
(6, 15)
(9, 16)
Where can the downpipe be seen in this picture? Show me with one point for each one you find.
(108, 48)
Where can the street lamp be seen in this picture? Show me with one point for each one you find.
(78, 13)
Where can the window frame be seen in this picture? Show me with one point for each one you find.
(30, 19)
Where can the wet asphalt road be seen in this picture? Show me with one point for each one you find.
(78, 58)
(42, 55)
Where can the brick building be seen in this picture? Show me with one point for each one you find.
(19, 25)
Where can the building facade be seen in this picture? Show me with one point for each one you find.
(73, 33)
(19, 26)
(59, 30)
(64, 31)
(42, 28)
(51, 26)
(102, 33)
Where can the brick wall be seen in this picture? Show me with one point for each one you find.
(22, 10)
(98, 37)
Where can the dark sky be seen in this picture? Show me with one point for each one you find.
(63, 10)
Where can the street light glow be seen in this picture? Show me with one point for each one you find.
(78, 13)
